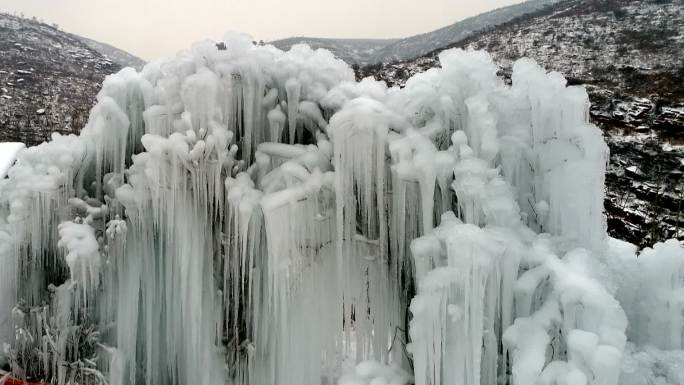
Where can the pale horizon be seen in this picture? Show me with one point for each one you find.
(151, 29)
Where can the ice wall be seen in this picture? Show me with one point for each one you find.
(648, 285)
(239, 214)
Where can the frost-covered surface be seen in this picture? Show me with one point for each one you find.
(650, 287)
(8, 155)
(374, 373)
(252, 216)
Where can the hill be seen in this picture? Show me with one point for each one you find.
(369, 51)
(49, 78)
(118, 56)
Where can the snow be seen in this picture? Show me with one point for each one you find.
(649, 365)
(82, 254)
(8, 155)
(373, 373)
(252, 216)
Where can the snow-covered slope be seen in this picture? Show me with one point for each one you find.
(370, 51)
(118, 56)
(48, 80)
(418, 45)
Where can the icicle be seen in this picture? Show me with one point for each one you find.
(8, 285)
(293, 89)
(82, 254)
(276, 120)
(358, 133)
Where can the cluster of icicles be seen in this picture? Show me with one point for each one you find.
(244, 215)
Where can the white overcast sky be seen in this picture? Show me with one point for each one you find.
(155, 28)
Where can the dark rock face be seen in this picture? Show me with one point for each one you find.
(645, 195)
(48, 80)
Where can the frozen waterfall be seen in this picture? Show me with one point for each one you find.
(242, 215)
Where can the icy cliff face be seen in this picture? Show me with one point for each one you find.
(239, 214)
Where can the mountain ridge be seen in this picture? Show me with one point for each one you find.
(353, 51)
(416, 45)
(117, 55)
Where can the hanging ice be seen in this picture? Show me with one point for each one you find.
(238, 214)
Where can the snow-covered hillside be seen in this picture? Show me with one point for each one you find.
(48, 80)
(118, 56)
(370, 51)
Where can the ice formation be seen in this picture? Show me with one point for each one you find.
(238, 214)
(8, 155)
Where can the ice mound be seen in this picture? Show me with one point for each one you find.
(238, 214)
